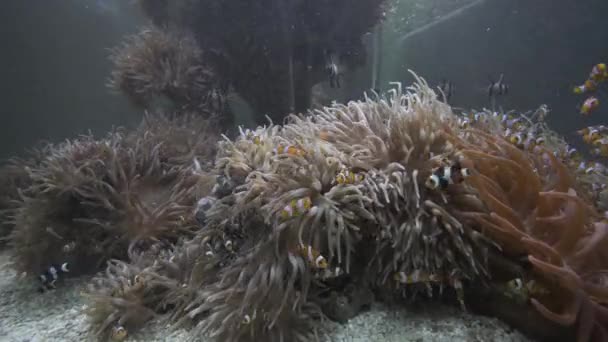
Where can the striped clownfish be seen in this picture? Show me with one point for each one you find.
(118, 333)
(297, 208)
(529, 288)
(50, 276)
(348, 177)
(444, 176)
(314, 258)
(289, 149)
(418, 276)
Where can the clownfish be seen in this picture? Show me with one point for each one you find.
(50, 276)
(496, 88)
(297, 208)
(526, 142)
(599, 72)
(289, 149)
(423, 277)
(444, 176)
(589, 105)
(592, 136)
(314, 258)
(118, 333)
(348, 177)
(602, 147)
(464, 123)
(588, 86)
(512, 123)
(256, 139)
(416, 277)
(528, 288)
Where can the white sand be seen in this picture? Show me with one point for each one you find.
(28, 316)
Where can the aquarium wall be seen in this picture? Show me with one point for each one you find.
(54, 69)
(543, 47)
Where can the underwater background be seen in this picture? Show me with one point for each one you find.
(55, 65)
(247, 170)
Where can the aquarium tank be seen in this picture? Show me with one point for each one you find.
(304, 170)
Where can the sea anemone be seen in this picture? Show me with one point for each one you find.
(94, 200)
(182, 138)
(14, 178)
(388, 194)
(156, 65)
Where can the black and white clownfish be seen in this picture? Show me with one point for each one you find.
(50, 276)
(447, 175)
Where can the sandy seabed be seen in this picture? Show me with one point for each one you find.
(28, 316)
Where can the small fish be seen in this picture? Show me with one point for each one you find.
(589, 105)
(334, 75)
(599, 72)
(447, 88)
(517, 139)
(417, 276)
(526, 142)
(197, 169)
(526, 289)
(118, 333)
(138, 284)
(457, 285)
(498, 88)
(52, 231)
(464, 123)
(442, 177)
(602, 147)
(333, 71)
(297, 208)
(256, 139)
(348, 177)
(50, 276)
(314, 258)
(289, 149)
(511, 122)
(591, 136)
(69, 247)
(588, 86)
(480, 117)
(216, 100)
(573, 154)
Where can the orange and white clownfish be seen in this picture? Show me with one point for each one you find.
(599, 72)
(297, 207)
(346, 176)
(313, 257)
(588, 86)
(289, 149)
(589, 105)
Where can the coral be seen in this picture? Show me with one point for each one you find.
(156, 65)
(94, 200)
